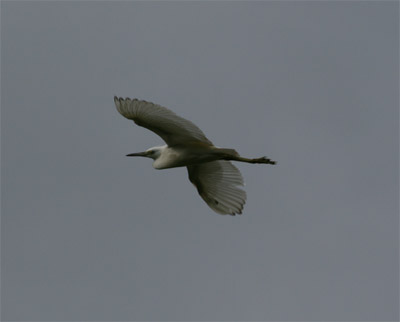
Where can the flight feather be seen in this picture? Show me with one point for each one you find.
(218, 184)
(173, 129)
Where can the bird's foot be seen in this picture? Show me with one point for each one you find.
(264, 160)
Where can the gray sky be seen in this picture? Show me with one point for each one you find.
(88, 234)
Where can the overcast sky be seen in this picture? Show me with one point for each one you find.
(88, 234)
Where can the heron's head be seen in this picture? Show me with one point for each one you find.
(152, 153)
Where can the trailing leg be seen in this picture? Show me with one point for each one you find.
(232, 155)
(263, 160)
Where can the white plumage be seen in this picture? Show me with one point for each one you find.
(172, 128)
(218, 184)
(217, 180)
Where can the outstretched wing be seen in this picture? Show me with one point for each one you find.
(217, 183)
(173, 129)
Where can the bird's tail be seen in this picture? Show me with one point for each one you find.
(228, 152)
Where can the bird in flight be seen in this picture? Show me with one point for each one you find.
(209, 167)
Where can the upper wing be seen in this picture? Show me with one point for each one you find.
(217, 183)
(173, 129)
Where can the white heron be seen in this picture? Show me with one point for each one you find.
(217, 180)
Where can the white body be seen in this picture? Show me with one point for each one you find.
(172, 157)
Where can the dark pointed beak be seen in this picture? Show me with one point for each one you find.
(138, 154)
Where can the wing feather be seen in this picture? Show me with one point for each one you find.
(218, 184)
(173, 129)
